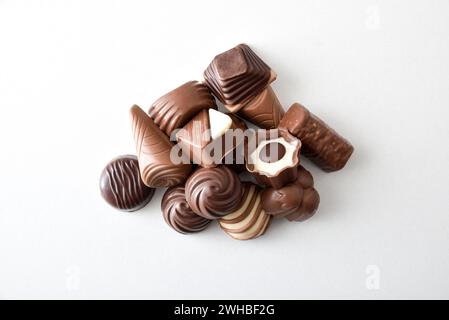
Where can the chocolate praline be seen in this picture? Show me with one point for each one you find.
(282, 202)
(121, 185)
(178, 214)
(213, 192)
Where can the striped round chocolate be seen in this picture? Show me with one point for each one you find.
(249, 221)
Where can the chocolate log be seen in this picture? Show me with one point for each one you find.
(249, 220)
(209, 138)
(178, 214)
(121, 185)
(272, 156)
(240, 80)
(320, 143)
(213, 192)
(174, 109)
(297, 201)
(154, 151)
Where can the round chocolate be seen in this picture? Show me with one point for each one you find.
(177, 212)
(308, 207)
(304, 178)
(213, 192)
(121, 185)
(282, 202)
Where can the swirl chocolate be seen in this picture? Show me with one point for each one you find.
(154, 153)
(213, 192)
(174, 109)
(249, 220)
(178, 214)
(321, 144)
(121, 185)
(297, 201)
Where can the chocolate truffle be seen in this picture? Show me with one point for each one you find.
(154, 151)
(272, 156)
(176, 108)
(177, 212)
(297, 201)
(213, 192)
(121, 185)
(321, 144)
(249, 220)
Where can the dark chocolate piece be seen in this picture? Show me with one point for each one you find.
(320, 143)
(176, 108)
(237, 75)
(297, 201)
(213, 192)
(272, 156)
(249, 220)
(121, 185)
(177, 212)
(154, 153)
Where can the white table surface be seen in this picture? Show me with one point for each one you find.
(377, 71)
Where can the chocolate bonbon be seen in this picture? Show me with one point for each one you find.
(178, 214)
(209, 137)
(240, 80)
(174, 109)
(121, 185)
(213, 192)
(297, 201)
(154, 153)
(321, 144)
(272, 156)
(249, 220)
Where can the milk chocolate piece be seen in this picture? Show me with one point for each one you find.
(176, 108)
(320, 143)
(178, 214)
(209, 137)
(237, 75)
(154, 153)
(213, 192)
(249, 220)
(121, 185)
(240, 79)
(297, 201)
(272, 156)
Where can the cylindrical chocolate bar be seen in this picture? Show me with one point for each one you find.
(320, 143)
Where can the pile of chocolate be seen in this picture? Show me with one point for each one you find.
(214, 166)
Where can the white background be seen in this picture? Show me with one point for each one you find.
(377, 71)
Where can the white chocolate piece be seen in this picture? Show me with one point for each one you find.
(219, 122)
(273, 168)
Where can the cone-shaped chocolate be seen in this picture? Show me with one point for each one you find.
(174, 109)
(159, 164)
(320, 143)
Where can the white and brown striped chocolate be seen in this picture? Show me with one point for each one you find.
(249, 221)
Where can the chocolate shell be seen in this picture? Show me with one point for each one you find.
(249, 220)
(154, 153)
(177, 212)
(174, 109)
(297, 201)
(237, 75)
(270, 168)
(321, 144)
(213, 192)
(121, 185)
